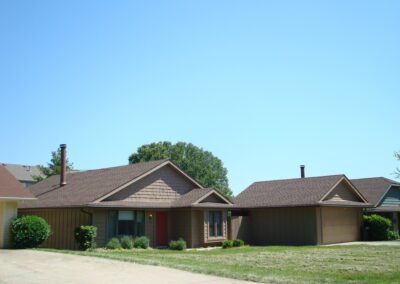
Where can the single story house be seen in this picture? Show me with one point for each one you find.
(315, 210)
(158, 200)
(155, 199)
(384, 195)
(11, 192)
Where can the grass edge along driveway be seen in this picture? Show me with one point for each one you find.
(274, 264)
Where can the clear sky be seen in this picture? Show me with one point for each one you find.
(263, 85)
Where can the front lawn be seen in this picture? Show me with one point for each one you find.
(365, 264)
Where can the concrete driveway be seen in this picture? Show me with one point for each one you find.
(29, 266)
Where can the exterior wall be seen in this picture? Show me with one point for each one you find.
(181, 225)
(163, 185)
(282, 226)
(197, 228)
(239, 228)
(342, 192)
(8, 211)
(63, 222)
(213, 198)
(100, 219)
(339, 224)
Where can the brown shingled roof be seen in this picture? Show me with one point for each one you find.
(85, 187)
(373, 188)
(10, 188)
(291, 193)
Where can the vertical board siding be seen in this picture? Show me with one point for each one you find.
(240, 228)
(340, 224)
(63, 222)
(283, 226)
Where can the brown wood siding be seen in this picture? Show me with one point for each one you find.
(283, 226)
(163, 185)
(213, 198)
(181, 224)
(342, 192)
(197, 228)
(240, 228)
(100, 218)
(63, 222)
(340, 224)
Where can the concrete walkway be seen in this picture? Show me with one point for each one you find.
(377, 243)
(29, 266)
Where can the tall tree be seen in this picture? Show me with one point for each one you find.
(200, 164)
(53, 167)
(397, 171)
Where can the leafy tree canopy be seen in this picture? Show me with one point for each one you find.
(53, 167)
(202, 165)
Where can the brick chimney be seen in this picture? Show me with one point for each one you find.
(63, 173)
(302, 173)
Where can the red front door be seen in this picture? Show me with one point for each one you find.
(161, 228)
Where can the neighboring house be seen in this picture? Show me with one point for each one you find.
(11, 192)
(155, 199)
(24, 174)
(315, 210)
(384, 195)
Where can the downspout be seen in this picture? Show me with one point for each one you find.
(90, 215)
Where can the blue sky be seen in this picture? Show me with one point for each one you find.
(264, 85)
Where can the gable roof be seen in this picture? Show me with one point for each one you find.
(295, 192)
(10, 188)
(23, 172)
(374, 189)
(85, 187)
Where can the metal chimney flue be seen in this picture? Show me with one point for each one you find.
(63, 172)
(302, 173)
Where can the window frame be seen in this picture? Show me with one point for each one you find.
(138, 229)
(217, 228)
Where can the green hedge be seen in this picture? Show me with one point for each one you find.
(114, 243)
(377, 227)
(180, 244)
(141, 242)
(85, 236)
(29, 232)
(126, 242)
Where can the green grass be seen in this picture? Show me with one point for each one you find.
(315, 264)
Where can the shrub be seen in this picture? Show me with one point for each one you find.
(113, 244)
(127, 242)
(227, 244)
(29, 231)
(392, 235)
(238, 243)
(141, 242)
(180, 244)
(377, 226)
(85, 236)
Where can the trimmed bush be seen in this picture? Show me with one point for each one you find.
(141, 242)
(85, 236)
(127, 242)
(29, 232)
(377, 227)
(392, 235)
(180, 244)
(227, 244)
(113, 244)
(238, 243)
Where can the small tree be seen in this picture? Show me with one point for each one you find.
(397, 171)
(85, 236)
(29, 232)
(53, 167)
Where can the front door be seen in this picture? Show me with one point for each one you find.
(161, 229)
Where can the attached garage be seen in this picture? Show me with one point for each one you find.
(338, 225)
(316, 210)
